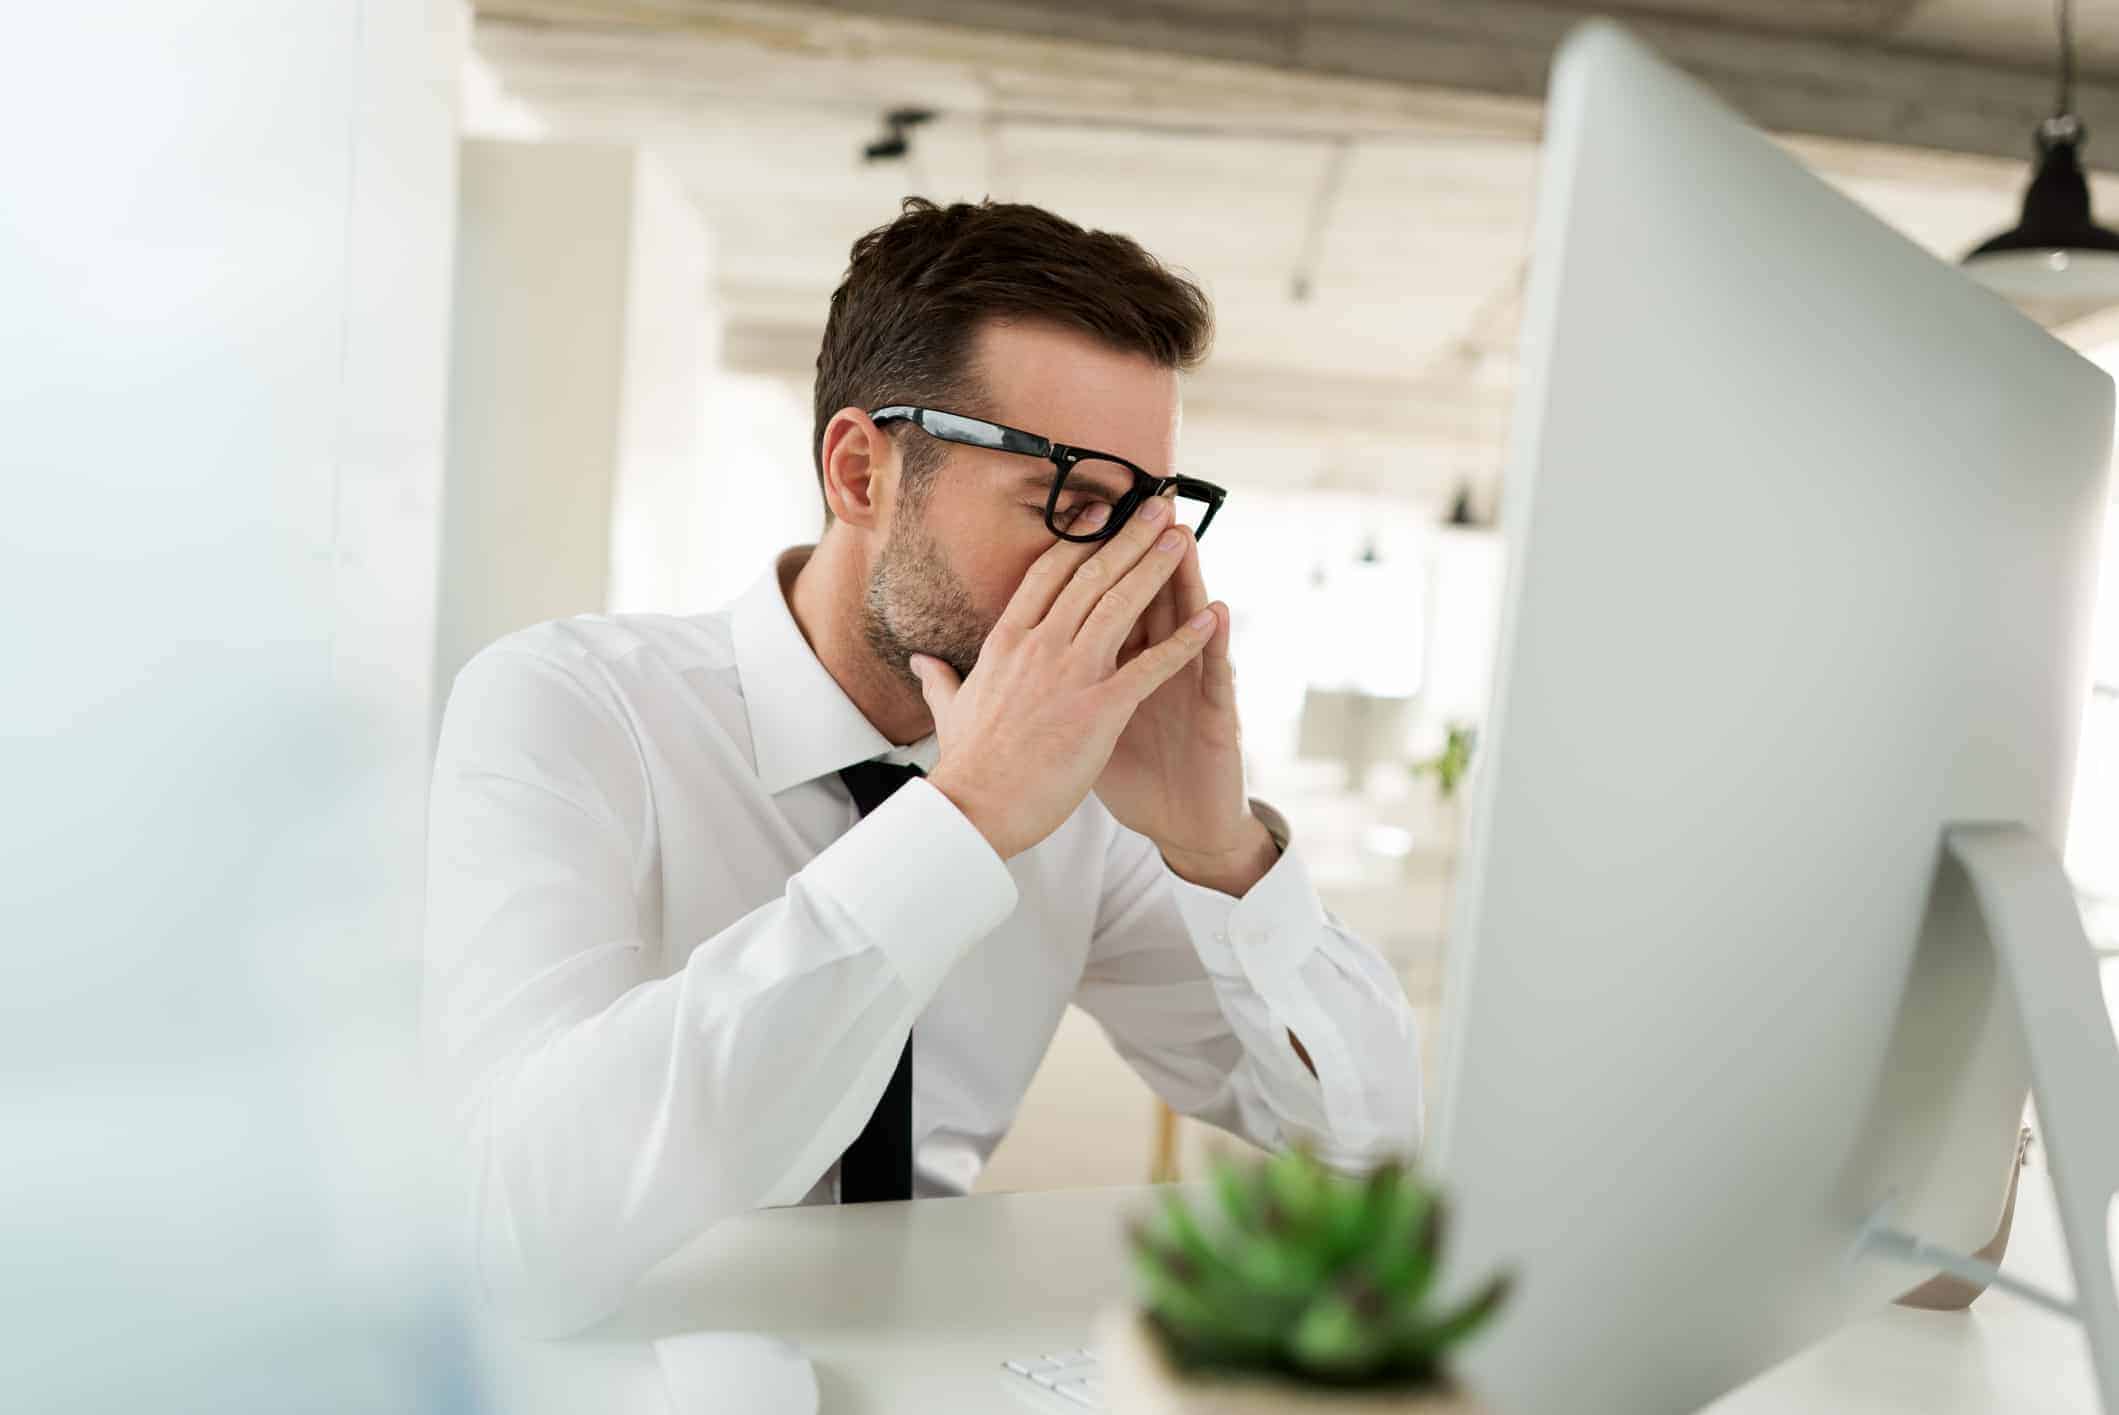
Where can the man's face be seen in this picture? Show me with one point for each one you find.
(950, 562)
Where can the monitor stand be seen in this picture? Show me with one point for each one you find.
(2027, 914)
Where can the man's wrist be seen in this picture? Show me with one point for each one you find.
(1232, 871)
(967, 806)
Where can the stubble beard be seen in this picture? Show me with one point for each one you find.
(916, 603)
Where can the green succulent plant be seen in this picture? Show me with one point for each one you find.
(1306, 1272)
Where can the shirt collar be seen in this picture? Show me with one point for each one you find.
(802, 724)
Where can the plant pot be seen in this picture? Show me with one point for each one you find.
(1141, 1379)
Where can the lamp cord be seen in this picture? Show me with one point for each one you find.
(2066, 100)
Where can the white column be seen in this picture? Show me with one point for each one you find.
(582, 343)
(390, 432)
(660, 497)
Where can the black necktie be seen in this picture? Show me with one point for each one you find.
(878, 1164)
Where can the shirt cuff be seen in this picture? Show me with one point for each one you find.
(1272, 928)
(919, 881)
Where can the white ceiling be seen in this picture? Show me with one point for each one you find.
(2016, 31)
(1408, 210)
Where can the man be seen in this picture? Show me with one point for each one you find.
(701, 939)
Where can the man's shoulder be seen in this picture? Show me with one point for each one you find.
(622, 669)
(588, 678)
(608, 646)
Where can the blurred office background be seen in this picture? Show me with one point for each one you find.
(341, 338)
(1353, 186)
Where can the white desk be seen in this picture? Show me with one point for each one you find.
(907, 1308)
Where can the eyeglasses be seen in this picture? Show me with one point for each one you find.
(1079, 476)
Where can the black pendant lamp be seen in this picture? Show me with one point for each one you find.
(2056, 263)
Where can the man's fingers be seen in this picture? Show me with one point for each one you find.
(938, 683)
(1050, 573)
(1126, 603)
(1160, 662)
(1188, 585)
(1188, 588)
(1113, 559)
(1165, 612)
(1135, 642)
(1218, 678)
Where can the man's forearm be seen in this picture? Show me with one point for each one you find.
(601, 1144)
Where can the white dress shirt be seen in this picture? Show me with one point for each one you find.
(669, 968)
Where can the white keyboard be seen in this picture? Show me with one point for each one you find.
(1062, 1383)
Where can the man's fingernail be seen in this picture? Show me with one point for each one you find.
(1204, 619)
(1093, 515)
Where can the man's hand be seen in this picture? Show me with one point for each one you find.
(1176, 774)
(1027, 735)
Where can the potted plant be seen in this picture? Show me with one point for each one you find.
(1451, 763)
(1298, 1289)
(1449, 767)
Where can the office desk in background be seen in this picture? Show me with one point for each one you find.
(908, 1308)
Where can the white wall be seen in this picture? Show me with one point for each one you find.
(760, 491)
(224, 260)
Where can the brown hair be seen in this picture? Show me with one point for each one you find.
(916, 290)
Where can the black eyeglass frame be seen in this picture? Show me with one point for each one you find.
(978, 432)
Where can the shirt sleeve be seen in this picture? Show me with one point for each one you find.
(1199, 990)
(607, 1112)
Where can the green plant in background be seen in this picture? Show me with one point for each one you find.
(1306, 1272)
(1453, 761)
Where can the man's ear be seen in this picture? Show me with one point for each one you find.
(860, 468)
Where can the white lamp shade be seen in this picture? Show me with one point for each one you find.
(2053, 286)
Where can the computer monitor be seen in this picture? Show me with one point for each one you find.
(1801, 533)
